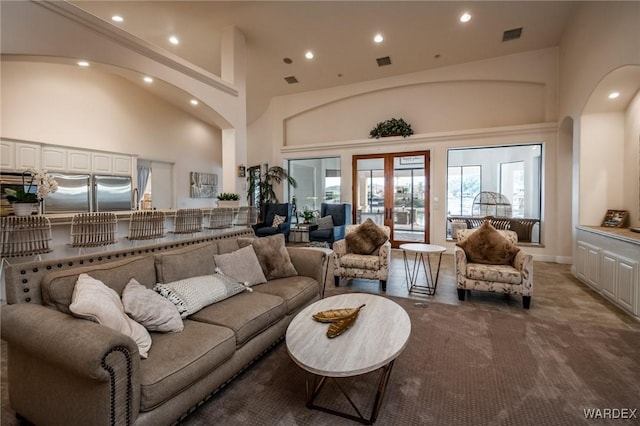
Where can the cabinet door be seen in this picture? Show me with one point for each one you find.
(7, 155)
(54, 158)
(102, 163)
(581, 261)
(627, 284)
(122, 165)
(593, 267)
(608, 279)
(27, 156)
(79, 161)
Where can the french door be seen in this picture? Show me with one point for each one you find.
(393, 190)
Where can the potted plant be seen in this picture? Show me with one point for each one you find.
(392, 127)
(308, 215)
(228, 199)
(39, 186)
(264, 187)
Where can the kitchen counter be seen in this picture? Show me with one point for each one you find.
(65, 218)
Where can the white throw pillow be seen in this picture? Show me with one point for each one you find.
(277, 220)
(241, 265)
(94, 301)
(192, 294)
(150, 309)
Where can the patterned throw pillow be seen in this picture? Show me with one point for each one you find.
(192, 294)
(277, 220)
(486, 245)
(325, 222)
(366, 238)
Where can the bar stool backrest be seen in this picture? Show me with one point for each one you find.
(188, 221)
(221, 217)
(247, 216)
(147, 225)
(93, 229)
(25, 236)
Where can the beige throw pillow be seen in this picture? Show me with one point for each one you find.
(241, 265)
(272, 255)
(486, 245)
(150, 309)
(94, 301)
(366, 239)
(325, 222)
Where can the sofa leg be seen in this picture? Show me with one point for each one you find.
(461, 294)
(526, 301)
(336, 279)
(384, 285)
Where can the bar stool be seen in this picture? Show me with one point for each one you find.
(98, 229)
(147, 225)
(220, 218)
(188, 221)
(247, 216)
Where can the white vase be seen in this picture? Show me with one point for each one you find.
(23, 209)
(228, 203)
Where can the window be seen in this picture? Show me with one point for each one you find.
(512, 174)
(318, 180)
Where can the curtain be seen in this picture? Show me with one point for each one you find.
(144, 171)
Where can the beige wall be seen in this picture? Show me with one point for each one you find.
(86, 108)
(631, 156)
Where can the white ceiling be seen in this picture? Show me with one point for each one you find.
(340, 34)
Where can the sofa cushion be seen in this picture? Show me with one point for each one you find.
(57, 287)
(360, 261)
(272, 255)
(178, 360)
(247, 314)
(227, 245)
(242, 265)
(366, 238)
(497, 273)
(486, 245)
(190, 261)
(94, 301)
(296, 291)
(152, 311)
(192, 294)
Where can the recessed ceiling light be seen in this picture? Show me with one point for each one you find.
(174, 40)
(83, 63)
(194, 102)
(614, 95)
(309, 55)
(148, 79)
(465, 17)
(287, 60)
(378, 38)
(117, 18)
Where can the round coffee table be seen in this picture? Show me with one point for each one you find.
(374, 341)
(411, 273)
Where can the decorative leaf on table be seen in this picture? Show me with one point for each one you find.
(338, 327)
(333, 315)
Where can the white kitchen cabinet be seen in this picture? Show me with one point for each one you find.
(78, 161)
(102, 163)
(54, 158)
(627, 284)
(122, 165)
(7, 155)
(587, 266)
(608, 279)
(27, 156)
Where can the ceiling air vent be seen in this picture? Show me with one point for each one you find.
(513, 34)
(383, 61)
(291, 80)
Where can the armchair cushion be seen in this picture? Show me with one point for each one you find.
(325, 222)
(486, 245)
(366, 238)
(497, 273)
(272, 255)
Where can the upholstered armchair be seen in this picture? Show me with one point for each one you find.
(280, 226)
(333, 221)
(350, 264)
(514, 276)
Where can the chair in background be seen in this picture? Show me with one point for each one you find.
(221, 218)
(330, 230)
(23, 236)
(374, 266)
(268, 226)
(247, 216)
(187, 222)
(147, 225)
(93, 230)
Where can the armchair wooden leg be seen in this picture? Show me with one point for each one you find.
(337, 280)
(461, 292)
(526, 301)
(384, 285)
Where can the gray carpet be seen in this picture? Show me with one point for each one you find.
(462, 366)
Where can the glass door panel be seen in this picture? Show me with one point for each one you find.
(409, 195)
(370, 190)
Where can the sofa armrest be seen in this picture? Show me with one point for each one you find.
(71, 363)
(310, 262)
(523, 262)
(385, 257)
(339, 248)
(461, 263)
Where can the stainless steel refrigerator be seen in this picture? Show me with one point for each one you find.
(73, 194)
(111, 193)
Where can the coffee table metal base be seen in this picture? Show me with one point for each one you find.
(315, 383)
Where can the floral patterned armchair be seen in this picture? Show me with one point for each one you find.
(516, 278)
(351, 265)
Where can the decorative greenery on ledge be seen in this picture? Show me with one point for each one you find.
(392, 127)
(228, 196)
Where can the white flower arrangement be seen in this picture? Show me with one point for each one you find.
(44, 183)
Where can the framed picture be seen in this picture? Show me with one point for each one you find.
(615, 218)
(204, 185)
(242, 171)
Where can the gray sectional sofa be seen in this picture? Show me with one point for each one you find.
(69, 371)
